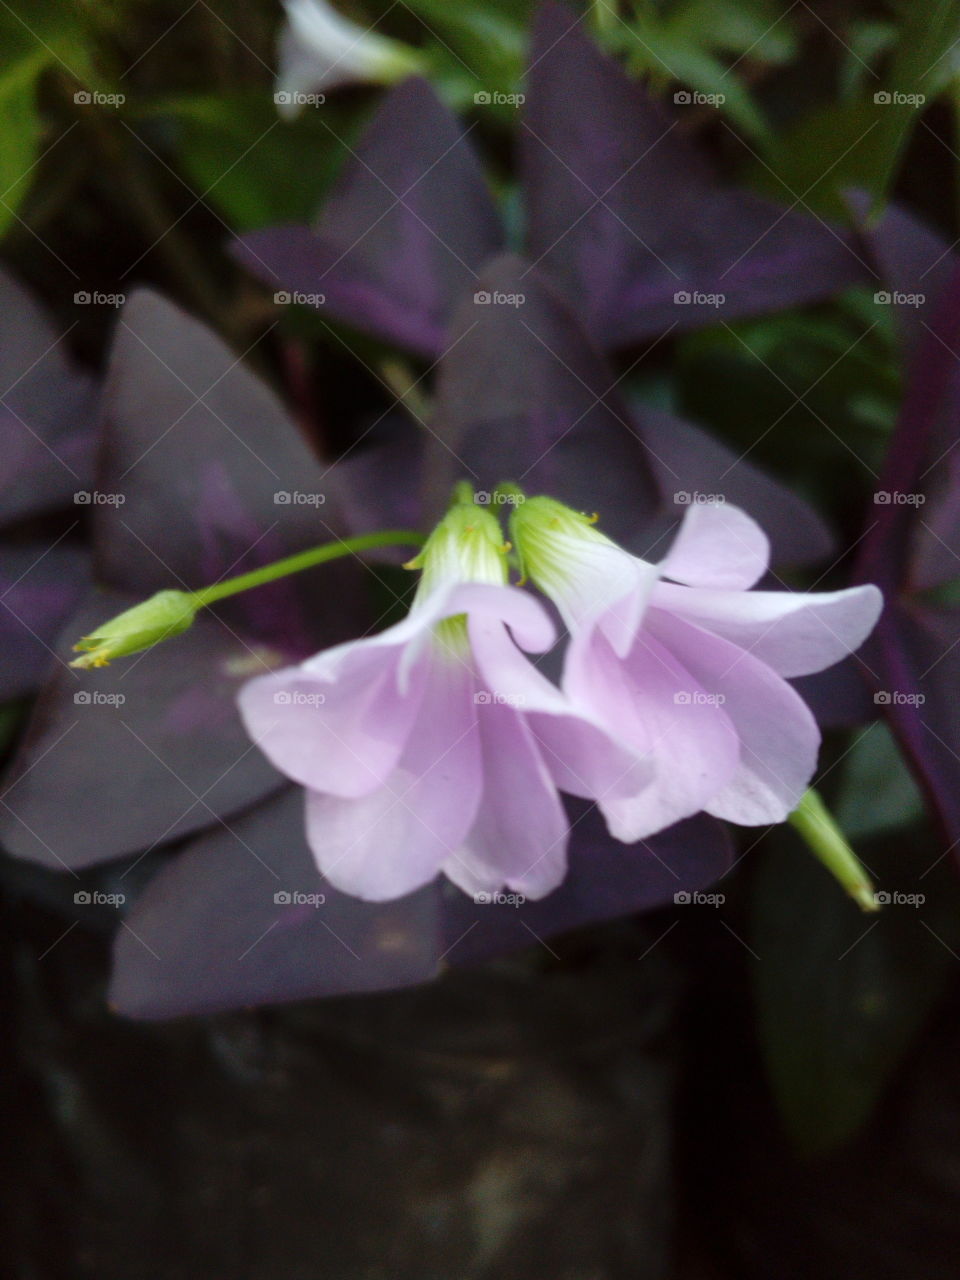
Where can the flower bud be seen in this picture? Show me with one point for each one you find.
(164, 615)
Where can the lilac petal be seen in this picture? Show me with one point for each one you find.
(717, 546)
(793, 632)
(779, 738)
(39, 589)
(653, 703)
(581, 756)
(519, 836)
(343, 735)
(625, 214)
(203, 454)
(158, 735)
(397, 838)
(524, 395)
(403, 233)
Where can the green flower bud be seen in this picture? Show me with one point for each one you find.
(164, 615)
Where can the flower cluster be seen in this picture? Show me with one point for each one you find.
(438, 745)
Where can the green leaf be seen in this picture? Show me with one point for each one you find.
(926, 36)
(241, 158)
(20, 135)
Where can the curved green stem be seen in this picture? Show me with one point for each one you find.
(304, 560)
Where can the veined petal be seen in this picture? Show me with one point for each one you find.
(795, 633)
(342, 732)
(519, 836)
(717, 546)
(582, 756)
(398, 837)
(779, 738)
(652, 702)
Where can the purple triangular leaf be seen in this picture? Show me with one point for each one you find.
(47, 408)
(626, 214)
(912, 549)
(915, 264)
(40, 586)
(523, 395)
(143, 752)
(403, 233)
(203, 476)
(209, 932)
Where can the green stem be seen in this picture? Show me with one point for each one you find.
(814, 822)
(304, 560)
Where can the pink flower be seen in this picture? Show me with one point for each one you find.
(436, 745)
(687, 664)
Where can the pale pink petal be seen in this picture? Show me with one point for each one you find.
(343, 734)
(795, 633)
(651, 702)
(519, 835)
(396, 839)
(717, 546)
(582, 756)
(779, 738)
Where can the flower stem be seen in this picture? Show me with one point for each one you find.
(304, 560)
(814, 822)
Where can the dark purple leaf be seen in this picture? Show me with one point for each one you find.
(47, 409)
(913, 262)
(403, 233)
(39, 589)
(207, 477)
(688, 461)
(209, 932)
(626, 214)
(912, 552)
(523, 395)
(150, 749)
